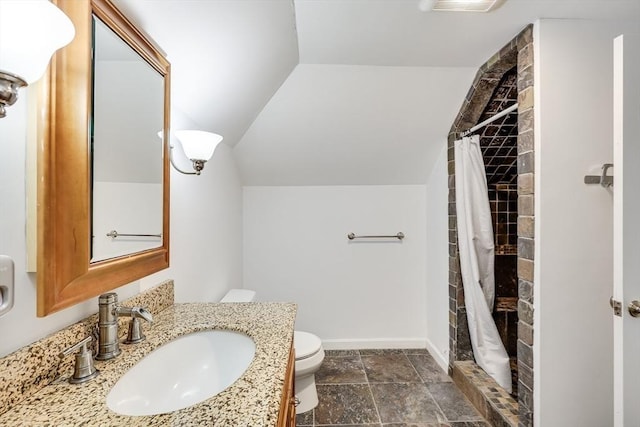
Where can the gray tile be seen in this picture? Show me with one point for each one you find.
(415, 425)
(389, 368)
(339, 353)
(415, 351)
(428, 368)
(428, 405)
(345, 404)
(341, 370)
(455, 406)
(305, 418)
(470, 424)
(406, 403)
(440, 424)
(369, 352)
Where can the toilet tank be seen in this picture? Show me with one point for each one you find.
(239, 295)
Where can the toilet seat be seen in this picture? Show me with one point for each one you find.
(306, 345)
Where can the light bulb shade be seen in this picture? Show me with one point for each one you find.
(426, 5)
(198, 144)
(30, 32)
(461, 5)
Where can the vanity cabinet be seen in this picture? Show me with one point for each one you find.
(287, 414)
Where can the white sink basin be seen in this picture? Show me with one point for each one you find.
(183, 372)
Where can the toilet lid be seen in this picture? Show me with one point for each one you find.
(305, 344)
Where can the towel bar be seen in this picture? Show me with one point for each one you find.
(398, 236)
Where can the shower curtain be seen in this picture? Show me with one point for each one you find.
(475, 242)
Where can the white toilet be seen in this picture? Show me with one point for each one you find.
(309, 356)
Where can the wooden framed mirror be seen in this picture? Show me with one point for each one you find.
(68, 270)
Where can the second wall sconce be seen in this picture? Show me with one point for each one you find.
(198, 146)
(30, 32)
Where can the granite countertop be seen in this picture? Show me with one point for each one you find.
(253, 400)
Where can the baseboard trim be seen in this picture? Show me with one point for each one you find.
(440, 358)
(381, 343)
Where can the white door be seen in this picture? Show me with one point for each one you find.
(626, 240)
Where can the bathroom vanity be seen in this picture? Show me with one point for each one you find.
(262, 396)
(287, 413)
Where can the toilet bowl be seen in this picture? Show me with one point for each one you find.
(308, 352)
(309, 357)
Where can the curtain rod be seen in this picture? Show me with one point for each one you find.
(490, 120)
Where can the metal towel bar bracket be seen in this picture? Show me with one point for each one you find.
(113, 234)
(604, 179)
(398, 236)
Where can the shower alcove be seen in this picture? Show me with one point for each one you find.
(507, 149)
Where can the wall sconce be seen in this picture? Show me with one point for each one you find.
(197, 145)
(30, 32)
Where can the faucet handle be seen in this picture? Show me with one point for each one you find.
(84, 369)
(135, 335)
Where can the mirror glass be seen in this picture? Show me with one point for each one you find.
(126, 152)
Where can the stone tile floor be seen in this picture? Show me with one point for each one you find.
(390, 388)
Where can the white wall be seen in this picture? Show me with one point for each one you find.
(125, 134)
(358, 294)
(128, 208)
(206, 235)
(573, 256)
(437, 279)
(353, 125)
(20, 326)
(206, 225)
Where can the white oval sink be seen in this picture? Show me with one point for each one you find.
(182, 372)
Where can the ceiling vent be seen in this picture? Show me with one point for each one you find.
(459, 5)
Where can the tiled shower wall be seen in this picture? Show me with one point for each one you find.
(518, 52)
(503, 200)
(525, 226)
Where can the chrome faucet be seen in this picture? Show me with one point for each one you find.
(83, 369)
(108, 312)
(135, 335)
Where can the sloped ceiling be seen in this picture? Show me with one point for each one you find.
(397, 33)
(353, 125)
(325, 126)
(228, 57)
(370, 102)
